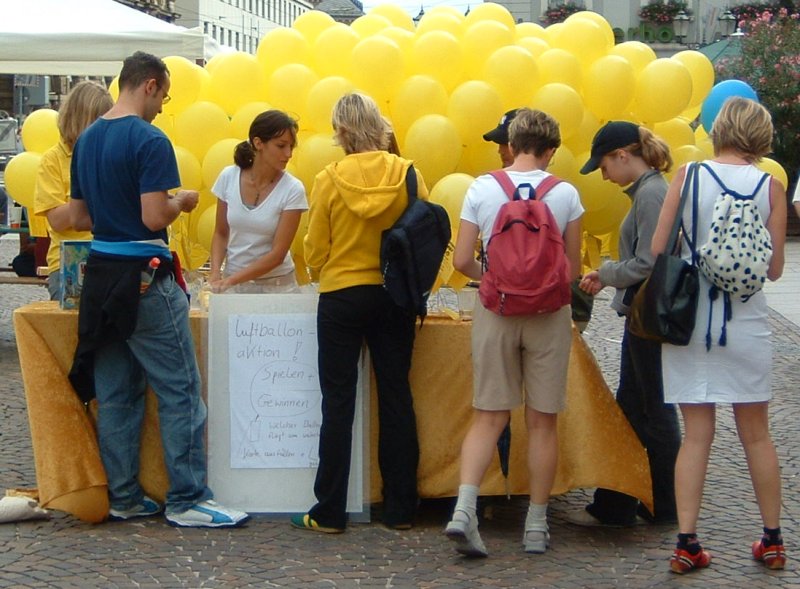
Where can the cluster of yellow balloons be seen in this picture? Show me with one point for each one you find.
(442, 83)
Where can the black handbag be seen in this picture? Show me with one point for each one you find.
(665, 307)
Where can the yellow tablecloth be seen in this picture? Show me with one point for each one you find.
(597, 446)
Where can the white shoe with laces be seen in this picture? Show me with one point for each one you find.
(208, 514)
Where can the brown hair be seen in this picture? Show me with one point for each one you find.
(533, 131)
(267, 125)
(744, 125)
(652, 149)
(82, 106)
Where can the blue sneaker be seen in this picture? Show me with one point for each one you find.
(146, 508)
(208, 514)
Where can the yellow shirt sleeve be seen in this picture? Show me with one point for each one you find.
(52, 181)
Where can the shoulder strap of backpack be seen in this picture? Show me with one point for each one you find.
(411, 184)
(545, 186)
(733, 193)
(505, 182)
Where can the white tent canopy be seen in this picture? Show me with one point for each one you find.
(87, 37)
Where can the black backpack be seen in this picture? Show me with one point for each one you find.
(412, 250)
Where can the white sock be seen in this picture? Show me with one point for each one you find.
(467, 499)
(537, 514)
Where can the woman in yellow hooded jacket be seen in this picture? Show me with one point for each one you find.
(352, 202)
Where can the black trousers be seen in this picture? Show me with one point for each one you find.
(641, 397)
(345, 319)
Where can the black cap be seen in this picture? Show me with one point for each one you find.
(500, 133)
(611, 136)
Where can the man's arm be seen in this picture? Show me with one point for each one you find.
(159, 209)
(79, 216)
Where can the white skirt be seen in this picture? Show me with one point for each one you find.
(738, 372)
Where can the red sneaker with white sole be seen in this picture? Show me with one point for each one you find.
(773, 557)
(683, 561)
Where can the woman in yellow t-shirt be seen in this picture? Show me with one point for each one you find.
(84, 104)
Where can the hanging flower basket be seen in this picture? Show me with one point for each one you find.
(559, 12)
(658, 12)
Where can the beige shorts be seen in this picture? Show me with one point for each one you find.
(530, 351)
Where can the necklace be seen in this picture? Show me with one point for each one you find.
(261, 190)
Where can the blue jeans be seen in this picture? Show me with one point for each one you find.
(160, 351)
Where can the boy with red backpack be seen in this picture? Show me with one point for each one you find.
(521, 332)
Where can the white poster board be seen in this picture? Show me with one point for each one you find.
(264, 405)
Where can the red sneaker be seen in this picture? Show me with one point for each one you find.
(774, 557)
(683, 562)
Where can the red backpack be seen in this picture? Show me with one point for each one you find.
(525, 266)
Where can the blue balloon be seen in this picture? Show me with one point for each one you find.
(717, 97)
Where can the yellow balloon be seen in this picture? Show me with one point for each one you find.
(191, 254)
(691, 113)
(200, 126)
(530, 29)
(481, 39)
(186, 79)
(676, 132)
(282, 46)
(474, 108)
(702, 71)
(562, 103)
(243, 118)
(441, 21)
(706, 146)
(429, 130)
(581, 140)
(312, 155)
(609, 86)
(682, 156)
(512, 71)
(608, 218)
(332, 50)
(479, 157)
(370, 24)
(663, 90)
(637, 53)
(595, 192)
(113, 88)
(560, 66)
(166, 123)
(486, 11)
(321, 99)
(205, 227)
(20, 177)
(777, 171)
(449, 192)
(206, 199)
(217, 158)
(215, 60)
(445, 9)
(583, 38)
(417, 96)
(313, 23)
(563, 164)
(534, 45)
(395, 15)
(378, 67)
(403, 38)
(438, 54)
(189, 168)
(552, 30)
(289, 86)
(239, 79)
(40, 130)
(599, 20)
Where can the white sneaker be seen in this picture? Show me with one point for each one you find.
(463, 530)
(208, 514)
(536, 540)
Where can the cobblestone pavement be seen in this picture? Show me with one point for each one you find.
(65, 552)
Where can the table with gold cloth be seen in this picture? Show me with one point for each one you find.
(597, 447)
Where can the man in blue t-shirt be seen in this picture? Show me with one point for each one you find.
(134, 319)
